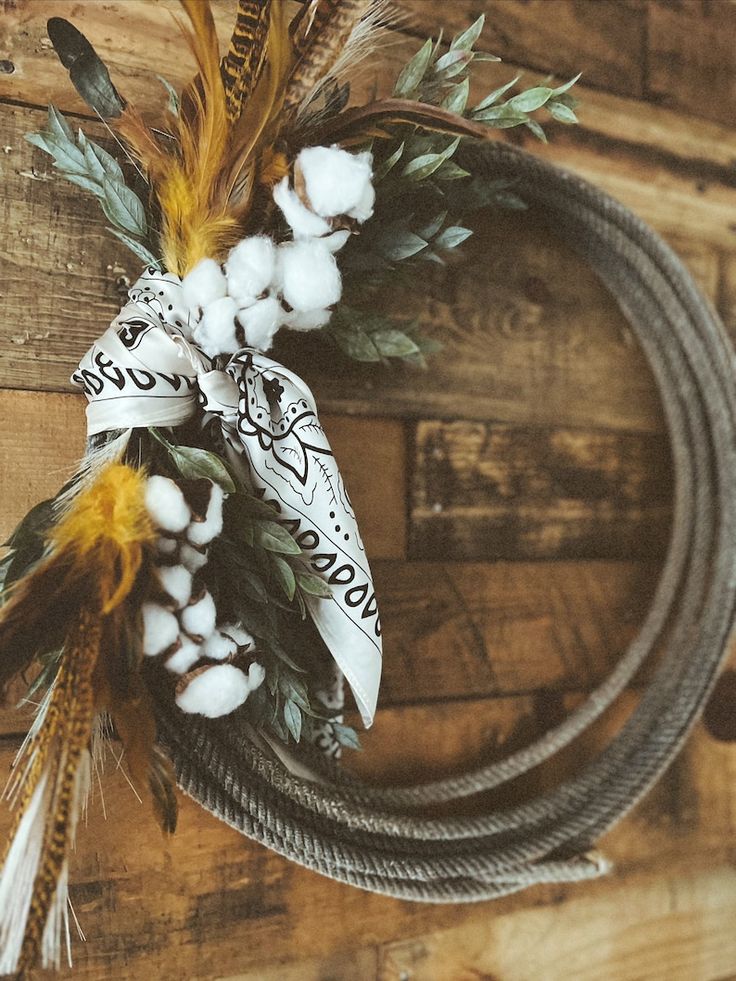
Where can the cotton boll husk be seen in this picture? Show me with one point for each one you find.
(335, 180)
(166, 546)
(204, 284)
(166, 505)
(182, 659)
(239, 634)
(256, 675)
(249, 267)
(215, 333)
(310, 279)
(160, 629)
(308, 319)
(203, 532)
(198, 619)
(176, 582)
(261, 321)
(303, 222)
(219, 647)
(192, 558)
(214, 692)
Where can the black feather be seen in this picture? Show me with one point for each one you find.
(87, 71)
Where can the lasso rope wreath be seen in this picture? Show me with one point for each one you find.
(202, 581)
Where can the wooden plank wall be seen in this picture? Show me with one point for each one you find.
(517, 523)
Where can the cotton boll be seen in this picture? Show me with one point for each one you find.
(181, 660)
(363, 210)
(166, 546)
(202, 532)
(303, 222)
(166, 505)
(335, 180)
(216, 332)
(256, 675)
(261, 321)
(192, 558)
(249, 267)
(160, 629)
(240, 635)
(219, 647)
(310, 279)
(336, 241)
(308, 319)
(204, 284)
(198, 619)
(176, 582)
(214, 692)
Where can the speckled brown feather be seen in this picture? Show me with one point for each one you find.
(241, 66)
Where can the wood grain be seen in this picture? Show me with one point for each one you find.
(496, 492)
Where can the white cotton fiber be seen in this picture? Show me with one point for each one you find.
(160, 629)
(335, 180)
(307, 319)
(303, 222)
(202, 532)
(219, 647)
(204, 284)
(363, 210)
(215, 692)
(198, 619)
(188, 653)
(310, 279)
(256, 675)
(176, 582)
(216, 332)
(166, 505)
(261, 321)
(249, 267)
(191, 557)
(337, 240)
(240, 635)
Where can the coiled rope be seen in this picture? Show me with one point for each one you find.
(380, 838)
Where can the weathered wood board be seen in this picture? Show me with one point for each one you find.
(515, 500)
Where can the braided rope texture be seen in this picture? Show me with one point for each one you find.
(386, 839)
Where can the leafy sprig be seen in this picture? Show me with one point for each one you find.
(89, 166)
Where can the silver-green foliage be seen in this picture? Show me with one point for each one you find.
(92, 168)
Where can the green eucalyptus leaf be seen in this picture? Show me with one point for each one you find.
(452, 236)
(346, 735)
(401, 246)
(284, 575)
(430, 230)
(511, 201)
(413, 73)
(173, 95)
(137, 248)
(457, 98)
(394, 343)
(357, 345)
(493, 97)
(450, 171)
(275, 538)
(561, 112)
(453, 62)
(123, 208)
(58, 126)
(67, 157)
(293, 719)
(85, 183)
(388, 164)
(194, 463)
(422, 167)
(313, 585)
(467, 39)
(535, 128)
(531, 100)
(567, 85)
(40, 140)
(109, 165)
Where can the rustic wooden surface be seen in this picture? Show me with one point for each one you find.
(516, 501)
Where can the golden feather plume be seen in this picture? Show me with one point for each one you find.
(91, 582)
(330, 24)
(244, 60)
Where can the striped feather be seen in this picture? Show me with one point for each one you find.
(242, 65)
